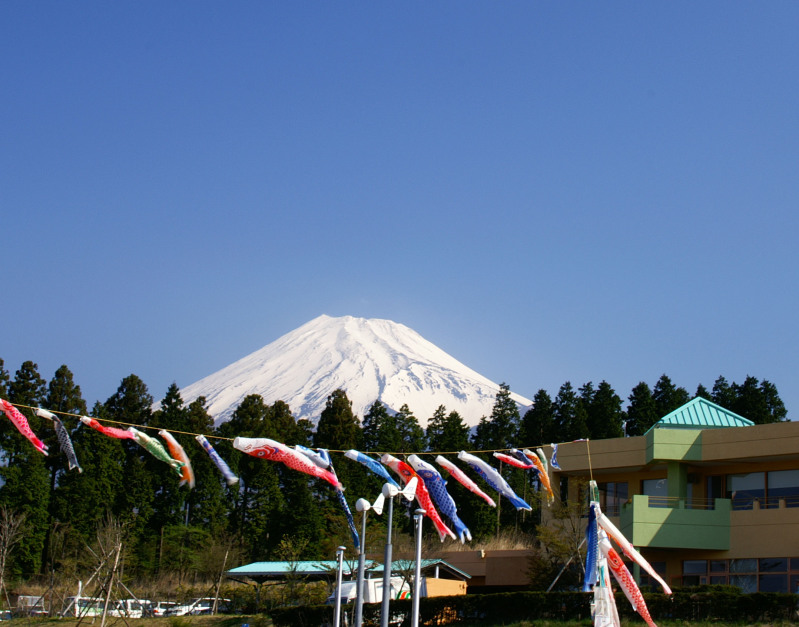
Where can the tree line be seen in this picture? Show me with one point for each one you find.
(275, 512)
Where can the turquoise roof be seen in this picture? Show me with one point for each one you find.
(274, 570)
(701, 413)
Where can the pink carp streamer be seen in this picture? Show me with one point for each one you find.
(277, 452)
(464, 479)
(21, 423)
(512, 461)
(177, 453)
(111, 432)
(625, 580)
(407, 473)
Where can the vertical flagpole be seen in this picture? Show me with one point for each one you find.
(337, 612)
(417, 573)
(389, 491)
(362, 505)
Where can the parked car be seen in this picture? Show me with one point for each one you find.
(128, 608)
(159, 608)
(82, 606)
(200, 606)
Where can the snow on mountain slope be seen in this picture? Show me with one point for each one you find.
(369, 359)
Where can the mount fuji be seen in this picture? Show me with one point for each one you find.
(370, 359)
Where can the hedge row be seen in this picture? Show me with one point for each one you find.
(691, 604)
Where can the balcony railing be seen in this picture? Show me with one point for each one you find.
(674, 502)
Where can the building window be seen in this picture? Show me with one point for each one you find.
(745, 489)
(657, 490)
(612, 496)
(782, 485)
(564, 489)
(768, 574)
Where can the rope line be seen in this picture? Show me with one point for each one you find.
(219, 437)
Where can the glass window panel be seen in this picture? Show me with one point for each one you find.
(794, 584)
(773, 564)
(718, 580)
(784, 484)
(795, 563)
(744, 489)
(718, 566)
(690, 580)
(747, 583)
(743, 566)
(783, 479)
(657, 490)
(773, 583)
(694, 567)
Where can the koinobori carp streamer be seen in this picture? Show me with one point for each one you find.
(21, 423)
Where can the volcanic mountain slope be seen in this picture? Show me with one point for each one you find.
(370, 359)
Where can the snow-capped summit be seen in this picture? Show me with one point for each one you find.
(369, 359)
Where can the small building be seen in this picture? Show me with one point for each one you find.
(707, 496)
(441, 578)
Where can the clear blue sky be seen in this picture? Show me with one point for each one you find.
(548, 191)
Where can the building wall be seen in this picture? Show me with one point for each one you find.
(686, 458)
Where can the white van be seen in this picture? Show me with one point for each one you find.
(373, 590)
(128, 608)
(82, 606)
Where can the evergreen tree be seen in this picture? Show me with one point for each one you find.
(380, 429)
(64, 396)
(131, 403)
(584, 399)
(668, 397)
(759, 402)
(169, 501)
(447, 432)
(500, 429)
(411, 435)
(145, 476)
(207, 502)
(774, 404)
(702, 392)
(605, 415)
(642, 412)
(258, 501)
(569, 417)
(338, 427)
(723, 393)
(26, 480)
(84, 500)
(538, 423)
(5, 379)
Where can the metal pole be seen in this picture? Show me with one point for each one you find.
(361, 566)
(417, 573)
(337, 612)
(387, 567)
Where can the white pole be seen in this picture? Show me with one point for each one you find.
(363, 506)
(417, 574)
(337, 612)
(387, 566)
